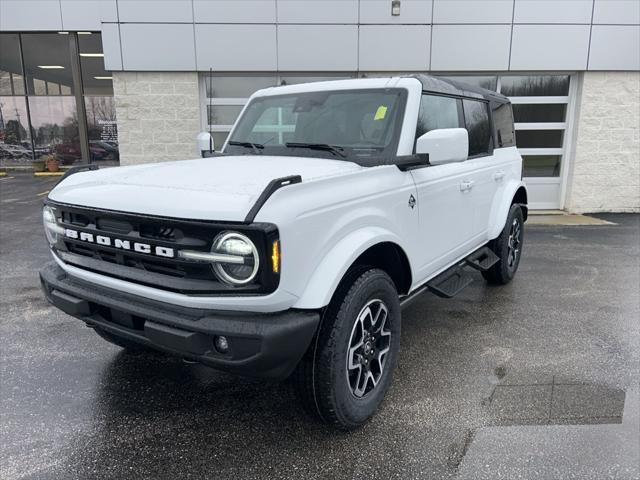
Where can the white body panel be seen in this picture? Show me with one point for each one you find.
(325, 222)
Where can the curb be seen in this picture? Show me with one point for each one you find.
(48, 174)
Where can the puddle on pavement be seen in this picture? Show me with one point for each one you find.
(554, 401)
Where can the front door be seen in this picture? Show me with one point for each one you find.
(445, 203)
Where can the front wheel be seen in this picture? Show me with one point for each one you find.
(508, 248)
(348, 369)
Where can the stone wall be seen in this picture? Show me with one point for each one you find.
(158, 115)
(605, 174)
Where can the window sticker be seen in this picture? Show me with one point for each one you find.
(380, 113)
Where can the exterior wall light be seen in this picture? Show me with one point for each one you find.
(395, 8)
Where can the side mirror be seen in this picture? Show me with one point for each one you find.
(205, 144)
(444, 145)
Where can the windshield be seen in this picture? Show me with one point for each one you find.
(343, 124)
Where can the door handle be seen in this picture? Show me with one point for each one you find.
(498, 176)
(466, 186)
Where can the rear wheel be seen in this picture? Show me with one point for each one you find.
(349, 367)
(508, 247)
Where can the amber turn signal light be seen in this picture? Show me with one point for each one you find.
(275, 256)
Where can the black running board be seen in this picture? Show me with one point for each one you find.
(482, 259)
(450, 282)
(455, 279)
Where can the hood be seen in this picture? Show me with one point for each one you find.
(219, 188)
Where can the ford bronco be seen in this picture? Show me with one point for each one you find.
(292, 251)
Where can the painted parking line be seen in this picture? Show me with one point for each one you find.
(43, 193)
(5, 178)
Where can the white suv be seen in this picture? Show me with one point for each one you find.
(292, 252)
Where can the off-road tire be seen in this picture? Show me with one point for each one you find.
(321, 379)
(505, 269)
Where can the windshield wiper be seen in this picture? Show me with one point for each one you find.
(256, 147)
(335, 149)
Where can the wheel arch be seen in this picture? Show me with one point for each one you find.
(514, 193)
(369, 248)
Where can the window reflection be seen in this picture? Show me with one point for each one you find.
(55, 128)
(102, 129)
(15, 142)
(488, 82)
(535, 86)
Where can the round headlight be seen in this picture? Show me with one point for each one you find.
(50, 224)
(236, 244)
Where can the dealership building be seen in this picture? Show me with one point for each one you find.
(128, 82)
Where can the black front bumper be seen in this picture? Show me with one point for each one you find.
(260, 344)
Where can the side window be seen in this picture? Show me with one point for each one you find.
(503, 124)
(437, 112)
(476, 119)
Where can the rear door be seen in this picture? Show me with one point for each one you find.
(483, 171)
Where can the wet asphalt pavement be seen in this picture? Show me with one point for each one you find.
(538, 379)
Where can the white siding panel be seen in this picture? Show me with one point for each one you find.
(616, 11)
(155, 11)
(390, 47)
(553, 11)
(111, 46)
(318, 11)
(414, 11)
(472, 11)
(157, 47)
(549, 47)
(27, 16)
(317, 47)
(470, 47)
(234, 11)
(615, 47)
(236, 47)
(87, 14)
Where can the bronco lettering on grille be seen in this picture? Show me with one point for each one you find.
(120, 244)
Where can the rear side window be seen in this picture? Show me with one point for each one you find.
(503, 124)
(476, 119)
(437, 112)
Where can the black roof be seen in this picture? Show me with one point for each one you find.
(454, 87)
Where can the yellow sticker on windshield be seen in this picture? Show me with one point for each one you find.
(380, 113)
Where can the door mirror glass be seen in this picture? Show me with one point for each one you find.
(444, 145)
(205, 144)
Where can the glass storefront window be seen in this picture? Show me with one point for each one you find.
(95, 79)
(535, 86)
(47, 116)
(488, 82)
(541, 165)
(219, 86)
(102, 130)
(15, 141)
(539, 138)
(539, 112)
(54, 121)
(11, 81)
(223, 114)
(219, 138)
(47, 63)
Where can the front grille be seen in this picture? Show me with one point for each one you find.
(172, 274)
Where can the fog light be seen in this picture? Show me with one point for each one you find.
(221, 343)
